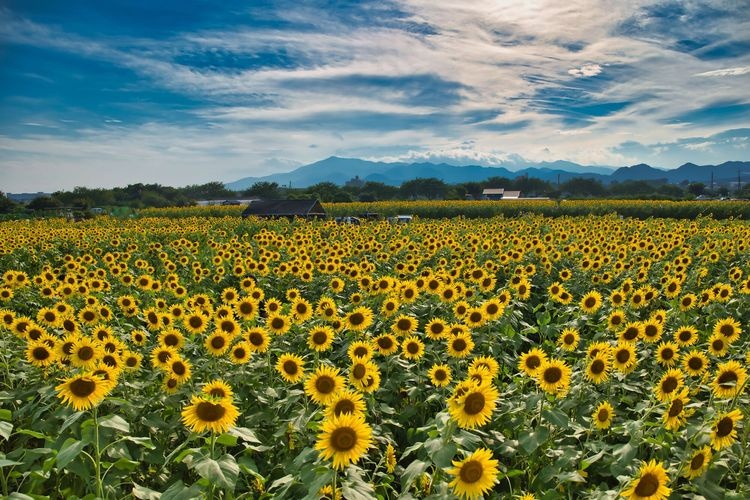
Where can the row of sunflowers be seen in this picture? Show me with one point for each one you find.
(532, 357)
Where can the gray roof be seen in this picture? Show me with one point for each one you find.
(285, 208)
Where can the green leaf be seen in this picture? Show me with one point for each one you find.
(141, 441)
(178, 491)
(72, 418)
(125, 464)
(6, 429)
(31, 433)
(222, 472)
(5, 414)
(69, 451)
(282, 485)
(586, 462)
(115, 422)
(244, 434)
(531, 441)
(412, 473)
(444, 456)
(143, 493)
(8, 463)
(227, 440)
(556, 417)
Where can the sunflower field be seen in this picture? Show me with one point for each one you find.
(589, 356)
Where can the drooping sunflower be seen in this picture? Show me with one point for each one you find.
(667, 353)
(669, 385)
(83, 391)
(346, 401)
(460, 346)
(651, 483)
(344, 438)
(598, 368)
(386, 344)
(39, 354)
(729, 380)
(475, 475)
(205, 413)
(624, 357)
(553, 376)
(591, 302)
(359, 319)
(568, 339)
(676, 412)
(530, 361)
(474, 407)
(323, 384)
(412, 348)
(390, 459)
(602, 416)
(695, 362)
(698, 463)
(291, 367)
(729, 329)
(440, 375)
(724, 432)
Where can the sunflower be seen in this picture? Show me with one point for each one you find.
(667, 353)
(698, 463)
(485, 362)
(139, 337)
(83, 391)
(695, 362)
(602, 416)
(390, 306)
(676, 412)
(345, 401)
(460, 309)
(360, 350)
(390, 459)
(246, 308)
(131, 361)
(301, 310)
(217, 389)
(440, 375)
(632, 331)
(320, 338)
(85, 353)
(272, 306)
(729, 380)
(493, 309)
(568, 339)
(686, 336)
(240, 352)
(258, 338)
(412, 348)
(591, 302)
(344, 438)
(598, 368)
(598, 348)
(171, 337)
(386, 344)
(278, 323)
(360, 371)
(404, 325)
(359, 319)
(652, 330)
(616, 319)
(436, 329)
(669, 385)
(688, 301)
(728, 328)
(475, 317)
(624, 357)
(291, 367)
(475, 475)
(530, 361)
(161, 355)
(217, 343)
(651, 483)
(205, 413)
(195, 322)
(228, 326)
(474, 407)
(460, 346)
(553, 376)
(323, 384)
(718, 345)
(724, 431)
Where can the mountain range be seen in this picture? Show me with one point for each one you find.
(340, 170)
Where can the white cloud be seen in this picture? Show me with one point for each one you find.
(726, 72)
(585, 70)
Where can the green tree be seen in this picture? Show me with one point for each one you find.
(696, 188)
(6, 204)
(263, 189)
(43, 203)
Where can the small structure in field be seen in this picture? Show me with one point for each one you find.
(500, 194)
(290, 209)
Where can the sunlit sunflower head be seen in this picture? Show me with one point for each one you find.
(131, 361)
(650, 484)
(161, 355)
(624, 357)
(481, 375)
(568, 339)
(486, 362)
(217, 389)
(172, 337)
(278, 323)
(475, 475)
(440, 375)
(240, 353)
(729, 328)
(724, 431)
(460, 346)
(386, 344)
(631, 332)
(591, 302)
(345, 401)
(616, 320)
(729, 380)
(602, 416)
(651, 330)
(323, 384)
(695, 362)
(553, 376)
(301, 310)
(698, 463)
(361, 350)
(39, 354)
(718, 345)
(205, 413)
(436, 329)
(258, 338)
(493, 309)
(474, 406)
(320, 338)
(598, 368)
(686, 336)
(688, 301)
(195, 322)
(291, 367)
(669, 385)
(85, 353)
(404, 325)
(667, 353)
(595, 349)
(344, 439)
(676, 411)
(217, 343)
(83, 391)
(359, 319)
(390, 305)
(530, 361)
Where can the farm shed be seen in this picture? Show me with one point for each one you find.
(275, 209)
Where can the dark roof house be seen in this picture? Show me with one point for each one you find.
(275, 209)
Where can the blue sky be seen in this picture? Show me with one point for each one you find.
(104, 94)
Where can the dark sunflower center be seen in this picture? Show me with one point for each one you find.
(344, 406)
(82, 388)
(459, 345)
(437, 328)
(218, 342)
(590, 302)
(227, 326)
(622, 356)
(412, 347)
(667, 353)
(360, 352)
(246, 308)
(40, 353)
(356, 319)
(239, 353)
(602, 415)
(385, 343)
(648, 484)
(256, 339)
(171, 340)
(669, 385)
(88, 316)
(728, 379)
(131, 361)
(172, 383)
(209, 412)
(718, 344)
(67, 348)
(110, 361)
(676, 407)
(474, 403)
(552, 375)
(685, 335)
(179, 368)
(630, 333)
(440, 375)
(475, 317)
(533, 362)
(277, 323)
(343, 439)
(724, 427)
(195, 321)
(217, 392)
(85, 353)
(359, 371)
(650, 331)
(403, 324)
(695, 363)
(320, 338)
(49, 317)
(569, 339)
(726, 330)
(163, 356)
(697, 461)
(471, 471)
(325, 384)
(597, 366)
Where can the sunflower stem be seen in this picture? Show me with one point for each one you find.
(97, 454)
